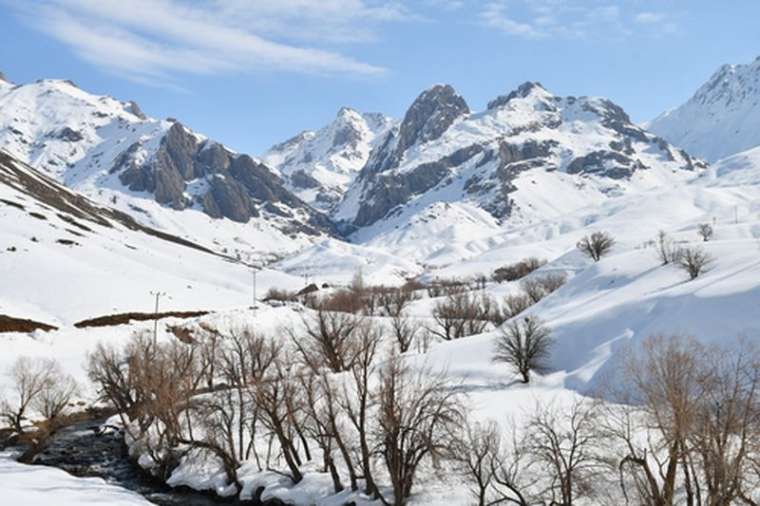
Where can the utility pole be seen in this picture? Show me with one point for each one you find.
(255, 270)
(158, 296)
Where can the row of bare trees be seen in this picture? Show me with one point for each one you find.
(328, 392)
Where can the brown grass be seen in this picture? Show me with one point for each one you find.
(11, 324)
(123, 318)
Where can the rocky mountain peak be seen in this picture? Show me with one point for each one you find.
(721, 118)
(528, 89)
(430, 115)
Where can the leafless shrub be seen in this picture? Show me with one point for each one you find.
(525, 344)
(705, 231)
(461, 315)
(596, 245)
(394, 301)
(552, 281)
(443, 287)
(278, 294)
(695, 261)
(666, 250)
(538, 287)
(513, 272)
(516, 303)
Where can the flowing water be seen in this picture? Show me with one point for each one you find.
(82, 451)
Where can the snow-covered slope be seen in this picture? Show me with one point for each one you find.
(319, 165)
(721, 119)
(113, 153)
(451, 178)
(64, 258)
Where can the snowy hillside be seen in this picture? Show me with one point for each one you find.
(319, 165)
(721, 119)
(65, 259)
(153, 169)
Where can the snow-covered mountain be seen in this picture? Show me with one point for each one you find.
(446, 175)
(152, 169)
(721, 119)
(64, 258)
(319, 165)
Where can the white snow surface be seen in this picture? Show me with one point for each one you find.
(32, 485)
(721, 119)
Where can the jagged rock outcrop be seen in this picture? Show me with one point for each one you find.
(228, 185)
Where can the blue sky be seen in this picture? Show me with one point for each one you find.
(250, 73)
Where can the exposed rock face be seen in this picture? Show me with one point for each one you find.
(429, 116)
(135, 109)
(235, 185)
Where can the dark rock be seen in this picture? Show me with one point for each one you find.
(431, 114)
(301, 179)
(605, 163)
(135, 109)
(390, 190)
(522, 91)
(69, 135)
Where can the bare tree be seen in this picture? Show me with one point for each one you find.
(417, 415)
(705, 231)
(34, 384)
(727, 423)
(524, 344)
(667, 382)
(695, 261)
(395, 300)
(328, 340)
(596, 245)
(59, 391)
(568, 445)
(516, 303)
(405, 329)
(358, 400)
(666, 251)
(497, 473)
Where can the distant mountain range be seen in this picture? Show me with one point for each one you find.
(530, 156)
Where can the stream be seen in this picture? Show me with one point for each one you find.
(79, 450)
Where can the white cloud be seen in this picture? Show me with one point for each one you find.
(566, 18)
(159, 40)
(649, 17)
